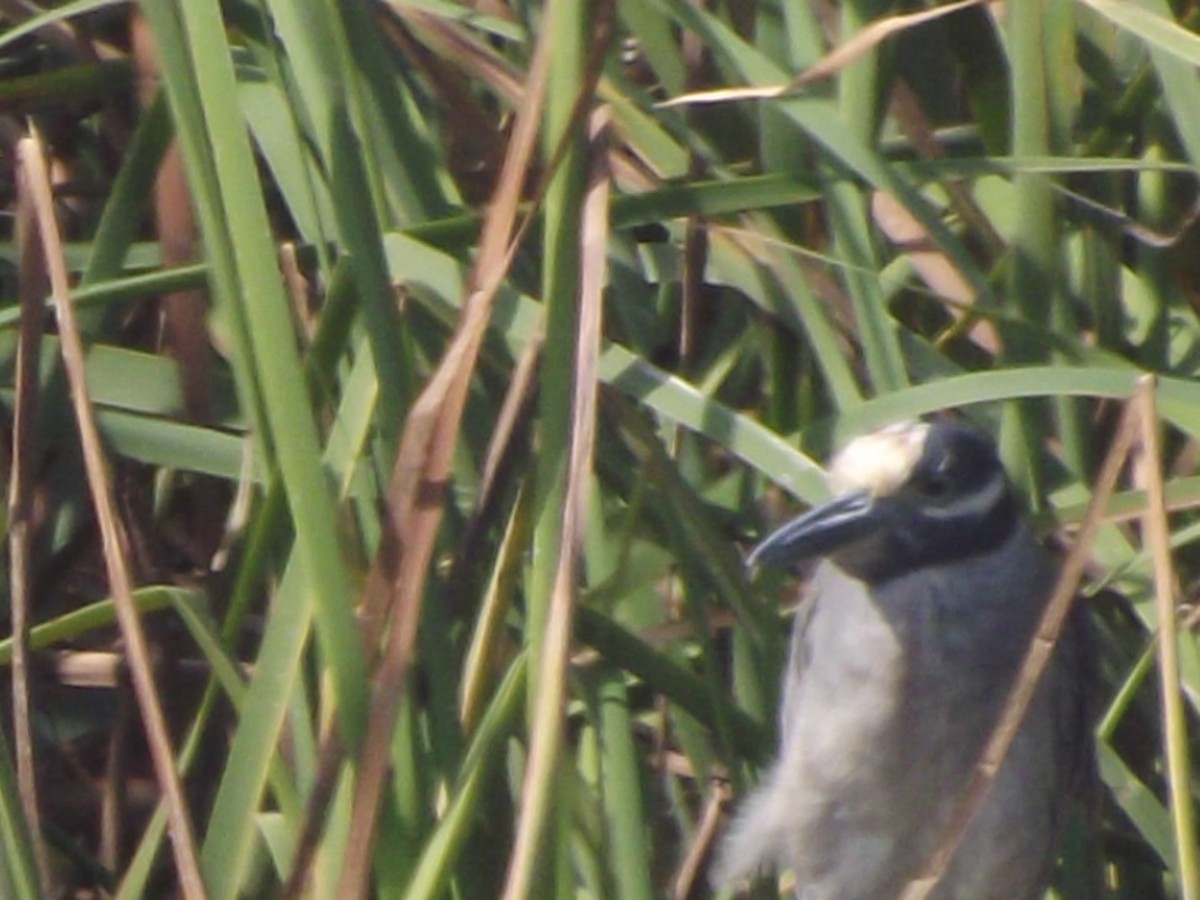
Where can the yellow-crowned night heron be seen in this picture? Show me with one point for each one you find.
(918, 618)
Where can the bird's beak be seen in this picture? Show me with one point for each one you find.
(820, 531)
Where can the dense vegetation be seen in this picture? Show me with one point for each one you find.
(440, 366)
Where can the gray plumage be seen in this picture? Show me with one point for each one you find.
(901, 659)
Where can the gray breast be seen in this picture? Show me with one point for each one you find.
(891, 693)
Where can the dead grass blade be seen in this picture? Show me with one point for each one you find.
(477, 671)
(871, 36)
(512, 422)
(516, 399)
(548, 714)
(1041, 648)
(33, 169)
(874, 35)
(933, 266)
(418, 482)
(448, 41)
(32, 285)
(910, 236)
(413, 512)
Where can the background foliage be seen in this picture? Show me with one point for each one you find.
(442, 370)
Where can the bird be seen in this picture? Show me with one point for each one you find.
(929, 586)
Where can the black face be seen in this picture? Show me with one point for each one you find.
(957, 461)
(956, 503)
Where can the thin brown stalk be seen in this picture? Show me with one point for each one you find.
(1157, 534)
(1041, 648)
(701, 848)
(516, 399)
(385, 580)
(185, 334)
(32, 283)
(329, 762)
(548, 714)
(452, 42)
(905, 107)
(184, 326)
(511, 422)
(414, 509)
(33, 166)
(396, 583)
(297, 289)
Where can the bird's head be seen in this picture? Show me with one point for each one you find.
(907, 496)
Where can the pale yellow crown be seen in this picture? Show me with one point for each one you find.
(880, 462)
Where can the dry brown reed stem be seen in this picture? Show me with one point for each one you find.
(33, 167)
(183, 311)
(548, 715)
(396, 582)
(521, 390)
(1041, 648)
(701, 849)
(414, 511)
(395, 586)
(329, 763)
(31, 288)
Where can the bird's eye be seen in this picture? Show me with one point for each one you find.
(938, 480)
(937, 484)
